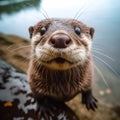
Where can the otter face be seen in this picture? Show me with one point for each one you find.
(61, 44)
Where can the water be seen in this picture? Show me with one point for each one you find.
(17, 15)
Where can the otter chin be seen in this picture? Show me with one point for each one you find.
(61, 65)
(58, 64)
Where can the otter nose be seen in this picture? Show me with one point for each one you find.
(60, 40)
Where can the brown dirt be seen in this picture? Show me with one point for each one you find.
(15, 50)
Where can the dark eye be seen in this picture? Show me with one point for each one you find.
(77, 30)
(43, 30)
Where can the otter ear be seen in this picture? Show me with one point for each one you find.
(31, 31)
(92, 30)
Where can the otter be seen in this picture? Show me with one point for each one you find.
(61, 64)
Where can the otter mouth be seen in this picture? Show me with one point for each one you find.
(59, 60)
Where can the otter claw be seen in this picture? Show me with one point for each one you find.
(44, 112)
(89, 100)
(46, 109)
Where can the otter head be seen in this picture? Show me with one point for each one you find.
(61, 44)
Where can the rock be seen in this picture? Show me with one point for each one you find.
(16, 99)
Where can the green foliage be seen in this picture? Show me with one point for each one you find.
(13, 6)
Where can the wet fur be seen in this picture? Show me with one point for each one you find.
(60, 82)
(60, 85)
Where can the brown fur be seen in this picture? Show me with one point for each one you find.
(61, 85)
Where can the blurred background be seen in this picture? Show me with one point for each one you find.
(17, 15)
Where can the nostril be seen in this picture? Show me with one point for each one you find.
(52, 41)
(67, 42)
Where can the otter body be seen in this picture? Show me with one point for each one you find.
(61, 65)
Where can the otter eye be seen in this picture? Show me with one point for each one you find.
(77, 30)
(43, 30)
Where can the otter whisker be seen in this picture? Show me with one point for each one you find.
(10, 46)
(78, 12)
(106, 65)
(43, 52)
(103, 54)
(25, 60)
(45, 13)
(98, 49)
(102, 76)
(27, 46)
(28, 57)
(83, 11)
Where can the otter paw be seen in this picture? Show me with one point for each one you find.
(45, 113)
(89, 100)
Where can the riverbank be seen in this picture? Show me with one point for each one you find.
(16, 51)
